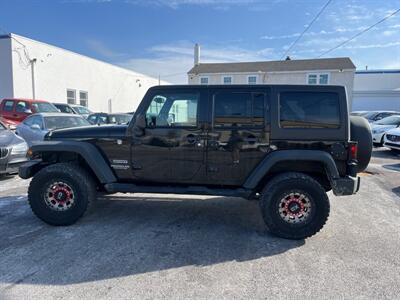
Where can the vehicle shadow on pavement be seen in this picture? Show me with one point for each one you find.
(124, 236)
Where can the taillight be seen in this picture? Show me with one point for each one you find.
(353, 151)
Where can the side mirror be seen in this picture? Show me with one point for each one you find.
(35, 127)
(139, 125)
(140, 122)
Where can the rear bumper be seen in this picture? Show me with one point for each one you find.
(345, 186)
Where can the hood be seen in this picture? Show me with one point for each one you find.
(394, 131)
(385, 127)
(8, 138)
(88, 132)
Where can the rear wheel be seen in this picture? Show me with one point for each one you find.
(294, 206)
(61, 193)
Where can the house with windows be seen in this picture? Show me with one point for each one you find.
(35, 70)
(333, 71)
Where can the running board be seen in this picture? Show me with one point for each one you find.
(191, 190)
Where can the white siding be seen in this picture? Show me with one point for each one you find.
(57, 70)
(6, 82)
(343, 78)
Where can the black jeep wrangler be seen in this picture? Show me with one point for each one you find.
(283, 145)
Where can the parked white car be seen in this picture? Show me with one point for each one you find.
(379, 128)
(392, 139)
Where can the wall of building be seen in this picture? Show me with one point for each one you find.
(344, 78)
(57, 70)
(377, 90)
(6, 82)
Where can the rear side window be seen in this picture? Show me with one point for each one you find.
(309, 110)
(242, 109)
(8, 105)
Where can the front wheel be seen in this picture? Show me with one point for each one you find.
(61, 193)
(294, 206)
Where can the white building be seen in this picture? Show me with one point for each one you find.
(35, 70)
(334, 71)
(377, 90)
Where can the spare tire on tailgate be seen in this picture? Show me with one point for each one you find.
(360, 132)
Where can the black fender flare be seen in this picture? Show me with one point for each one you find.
(86, 150)
(291, 155)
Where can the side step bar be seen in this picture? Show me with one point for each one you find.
(191, 190)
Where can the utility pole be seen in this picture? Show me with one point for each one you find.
(159, 79)
(33, 61)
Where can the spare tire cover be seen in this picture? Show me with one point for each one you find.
(360, 132)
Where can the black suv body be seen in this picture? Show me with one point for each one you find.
(284, 145)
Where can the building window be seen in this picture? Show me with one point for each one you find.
(203, 80)
(71, 96)
(318, 78)
(227, 80)
(83, 98)
(252, 79)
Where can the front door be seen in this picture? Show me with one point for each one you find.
(239, 136)
(172, 146)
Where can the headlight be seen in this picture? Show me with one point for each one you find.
(20, 148)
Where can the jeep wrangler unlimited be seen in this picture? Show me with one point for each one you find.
(283, 145)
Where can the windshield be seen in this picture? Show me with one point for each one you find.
(393, 120)
(58, 122)
(40, 107)
(2, 127)
(120, 119)
(370, 115)
(82, 110)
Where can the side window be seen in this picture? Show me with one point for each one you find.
(21, 106)
(92, 119)
(309, 110)
(173, 110)
(242, 109)
(34, 120)
(8, 105)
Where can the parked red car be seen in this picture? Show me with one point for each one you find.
(14, 111)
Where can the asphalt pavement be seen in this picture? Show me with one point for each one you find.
(177, 247)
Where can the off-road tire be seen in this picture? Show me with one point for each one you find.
(284, 184)
(76, 177)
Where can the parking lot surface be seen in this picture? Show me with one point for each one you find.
(166, 246)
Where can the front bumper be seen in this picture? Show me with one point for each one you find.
(377, 137)
(345, 186)
(392, 145)
(10, 167)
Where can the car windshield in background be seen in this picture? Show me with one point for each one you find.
(58, 122)
(393, 120)
(120, 119)
(370, 115)
(82, 110)
(41, 107)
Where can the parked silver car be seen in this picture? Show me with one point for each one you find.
(35, 127)
(12, 151)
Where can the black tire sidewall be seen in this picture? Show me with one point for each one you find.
(41, 183)
(319, 208)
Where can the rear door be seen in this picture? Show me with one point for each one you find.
(239, 135)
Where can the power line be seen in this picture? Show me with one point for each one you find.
(360, 33)
(306, 29)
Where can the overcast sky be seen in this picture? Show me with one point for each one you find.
(157, 36)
